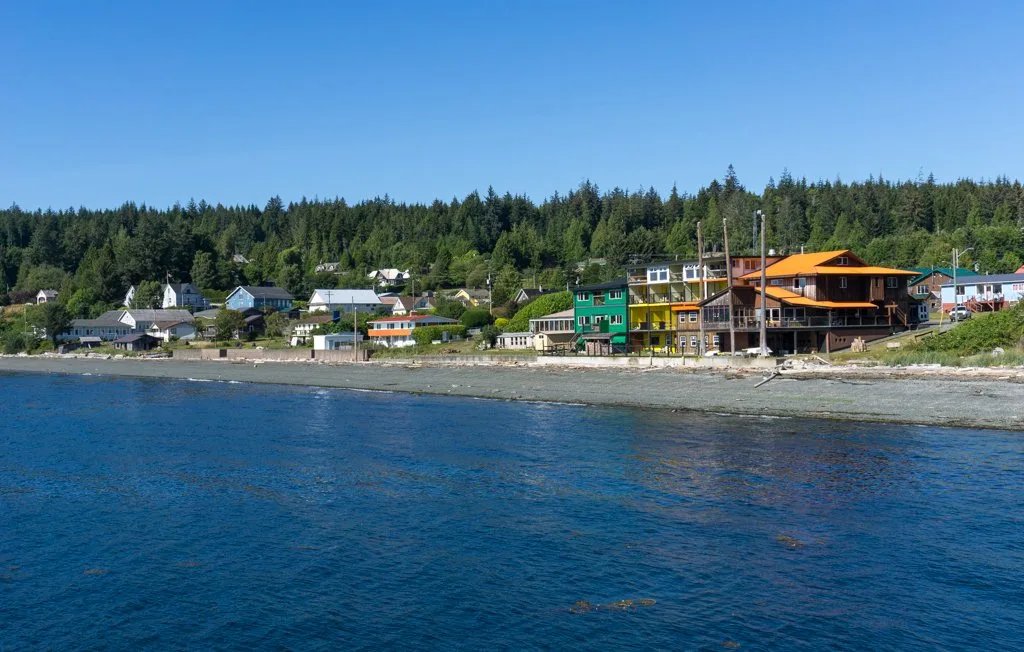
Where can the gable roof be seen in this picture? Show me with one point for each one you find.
(925, 272)
(406, 302)
(134, 337)
(49, 294)
(978, 279)
(532, 293)
(154, 315)
(389, 273)
(164, 325)
(344, 296)
(814, 264)
(99, 322)
(261, 292)
(794, 299)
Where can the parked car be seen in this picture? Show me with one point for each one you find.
(959, 313)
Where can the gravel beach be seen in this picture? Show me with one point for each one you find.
(989, 402)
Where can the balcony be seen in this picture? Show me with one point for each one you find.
(836, 321)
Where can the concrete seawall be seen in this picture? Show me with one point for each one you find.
(270, 355)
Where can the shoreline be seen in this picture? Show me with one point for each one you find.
(988, 402)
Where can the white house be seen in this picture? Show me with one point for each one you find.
(397, 331)
(46, 296)
(522, 340)
(140, 320)
(335, 341)
(129, 296)
(105, 328)
(344, 301)
(303, 328)
(179, 295)
(165, 330)
(554, 329)
(992, 292)
(334, 268)
(389, 277)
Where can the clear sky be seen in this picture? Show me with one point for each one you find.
(106, 101)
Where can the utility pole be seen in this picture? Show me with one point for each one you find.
(956, 265)
(701, 347)
(764, 305)
(355, 332)
(728, 278)
(490, 294)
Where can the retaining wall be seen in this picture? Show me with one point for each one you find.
(716, 362)
(271, 355)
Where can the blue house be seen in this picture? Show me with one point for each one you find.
(251, 296)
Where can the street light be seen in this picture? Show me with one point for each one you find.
(764, 307)
(956, 265)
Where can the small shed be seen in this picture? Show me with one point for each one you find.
(335, 341)
(90, 341)
(523, 340)
(136, 342)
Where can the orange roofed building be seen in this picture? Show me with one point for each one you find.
(814, 302)
(397, 331)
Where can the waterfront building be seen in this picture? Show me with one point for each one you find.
(814, 302)
(554, 332)
(984, 293)
(397, 331)
(252, 296)
(332, 301)
(602, 319)
(522, 340)
(926, 287)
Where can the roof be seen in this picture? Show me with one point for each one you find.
(208, 314)
(925, 272)
(90, 339)
(388, 301)
(607, 285)
(133, 337)
(565, 314)
(389, 273)
(49, 294)
(814, 264)
(344, 296)
(164, 325)
(693, 305)
(405, 302)
(472, 292)
(160, 315)
(416, 317)
(988, 278)
(261, 292)
(100, 322)
(533, 293)
(318, 319)
(517, 334)
(795, 299)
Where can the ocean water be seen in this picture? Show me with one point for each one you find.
(151, 514)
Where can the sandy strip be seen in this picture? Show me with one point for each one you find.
(974, 403)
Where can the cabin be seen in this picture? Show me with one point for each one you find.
(46, 296)
(926, 287)
(303, 329)
(471, 298)
(183, 295)
(135, 342)
(330, 268)
(252, 296)
(335, 341)
(522, 340)
(339, 301)
(526, 295)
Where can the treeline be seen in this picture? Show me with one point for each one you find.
(94, 255)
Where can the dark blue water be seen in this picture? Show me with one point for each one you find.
(171, 514)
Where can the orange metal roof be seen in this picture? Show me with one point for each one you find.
(676, 307)
(814, 264)
(871, 269)
(795, 299)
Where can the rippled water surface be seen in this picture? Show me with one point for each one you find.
(152, 514)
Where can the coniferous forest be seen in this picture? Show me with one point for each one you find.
(92, 255)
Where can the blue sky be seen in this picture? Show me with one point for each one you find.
(157, 102)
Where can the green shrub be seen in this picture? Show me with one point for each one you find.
(981, 333)
(427, 334)
(545, 304)
(476, 318)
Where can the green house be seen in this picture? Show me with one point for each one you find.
(602, 321)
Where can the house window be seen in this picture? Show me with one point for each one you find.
(616, 320)
(583, 321)
(842, 282)
(890, 282)
(614, 295)
(842, 260)
(717, 340)
(693, 316)
(776, 281)
(581, 296)
(657, 274)
(799, 283)
(923, 289)
(655, 340)
(693, 341)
